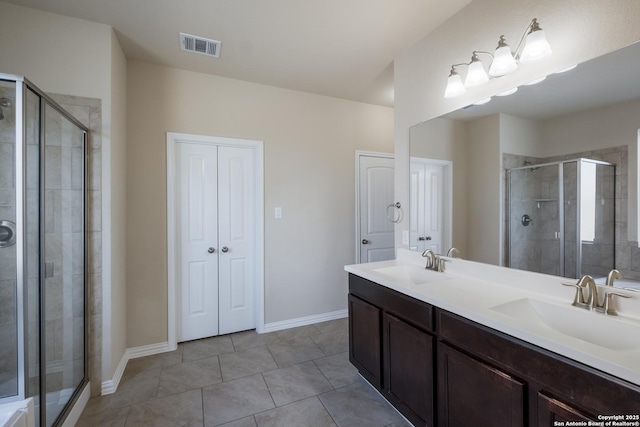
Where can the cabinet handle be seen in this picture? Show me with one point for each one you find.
(225, 249)
(211, 250)
(365, 242)
(424, 238)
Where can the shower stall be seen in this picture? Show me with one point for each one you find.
(561, 218)
(43, 321)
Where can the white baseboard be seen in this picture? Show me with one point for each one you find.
(302, 321)
(110, 386)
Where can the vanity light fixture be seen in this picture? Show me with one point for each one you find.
(536, 81)
(482, 101)
(503, 62)
(508, 92)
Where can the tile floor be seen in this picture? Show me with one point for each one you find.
(298, 377)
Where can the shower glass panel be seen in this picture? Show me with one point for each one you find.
(8, 250)
(570, 218)
(63, 259)
(43, 318)
(534, 244)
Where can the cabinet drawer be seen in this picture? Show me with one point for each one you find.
(402, 306)
(554, 412)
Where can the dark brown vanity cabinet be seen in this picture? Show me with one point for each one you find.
(440, 369)
(390, 344)
(529, 386)
(365, 342)
(472, 393)
(408, 369)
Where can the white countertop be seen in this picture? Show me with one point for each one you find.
(476, 291)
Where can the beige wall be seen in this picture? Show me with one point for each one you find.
(116, 177)
(577, 29)
(309, 152)
(484, 162)
(76, 57)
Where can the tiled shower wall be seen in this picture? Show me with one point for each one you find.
(595, 257)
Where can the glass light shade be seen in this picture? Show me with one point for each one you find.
(503, 62)
(536, 81)
(536, 47)
(482, 101)
(455, 86)
(508, 92)
(476, 75)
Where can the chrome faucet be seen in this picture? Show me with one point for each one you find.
(592, 302)
(453, 252)
(431, 258)
(613, 275)
(434, 262)
(579, 300)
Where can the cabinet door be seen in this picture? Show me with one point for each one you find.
(471, 393)
(408, 370)
(551, 410)
(364, 339)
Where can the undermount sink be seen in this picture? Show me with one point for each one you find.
(605, 331)
(411, 273)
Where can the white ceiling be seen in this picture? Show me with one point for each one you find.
(337, 48)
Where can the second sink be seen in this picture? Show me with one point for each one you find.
(608, 332)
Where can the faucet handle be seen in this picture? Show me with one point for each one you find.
(578, 299)
(609, 307)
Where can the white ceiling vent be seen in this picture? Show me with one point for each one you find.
(200, 45)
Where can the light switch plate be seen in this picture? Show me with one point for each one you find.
(405, 237)
(278, 212)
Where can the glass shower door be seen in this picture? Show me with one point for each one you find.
(64, 261)
(534, 219)
(8, 248)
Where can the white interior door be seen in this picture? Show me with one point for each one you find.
(428, 227)
(197, 171)
(217, 217)
(376, 231)
(237, 236)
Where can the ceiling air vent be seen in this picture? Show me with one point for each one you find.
(200, 45)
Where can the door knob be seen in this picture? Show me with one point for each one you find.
(365, 242)
(211, 250)
(225, 249)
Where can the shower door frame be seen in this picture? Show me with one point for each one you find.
(23, 85)
(561, 210)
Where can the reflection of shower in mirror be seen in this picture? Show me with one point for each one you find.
(4, 102)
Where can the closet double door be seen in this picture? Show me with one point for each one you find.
(216, 239)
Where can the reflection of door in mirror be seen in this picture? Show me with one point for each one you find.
(430, 201)
(375, 231)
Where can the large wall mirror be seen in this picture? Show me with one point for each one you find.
(544, 179)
